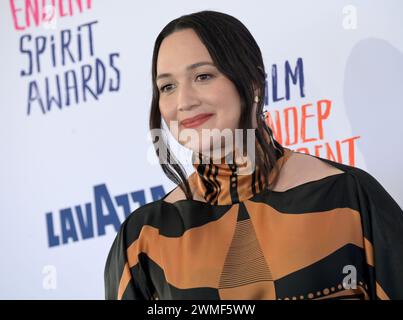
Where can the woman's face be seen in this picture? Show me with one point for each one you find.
(190, 85)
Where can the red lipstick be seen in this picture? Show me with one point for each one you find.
(196, 120)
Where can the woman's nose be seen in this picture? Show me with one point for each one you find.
(187, 97)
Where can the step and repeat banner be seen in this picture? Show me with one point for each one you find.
(75, 92)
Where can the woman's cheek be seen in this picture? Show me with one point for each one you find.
(171, 122)
(167, 114)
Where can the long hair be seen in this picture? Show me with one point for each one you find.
(236, 54)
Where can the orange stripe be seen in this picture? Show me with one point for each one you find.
(262, 290)
(291, 242)
(197, 258)
(124, 281)
(346, 292)
(381, 294)
(147, 242)
(188, 261)
(149, 234)
(369, 252)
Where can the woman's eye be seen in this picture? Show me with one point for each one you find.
(201, 77)
(204, 76)
(162, 89)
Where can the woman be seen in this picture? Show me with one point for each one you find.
(278, 225)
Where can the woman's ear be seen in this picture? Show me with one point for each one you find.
(256, 92)
(257, 97)
(254, 110)
(254, 121)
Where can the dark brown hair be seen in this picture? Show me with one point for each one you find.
(236, 54)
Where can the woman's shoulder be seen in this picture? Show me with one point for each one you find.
(301, 168)
(177, 194)
(298, 169)
(151, 215)
(174, 195)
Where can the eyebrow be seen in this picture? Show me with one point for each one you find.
(189, 67)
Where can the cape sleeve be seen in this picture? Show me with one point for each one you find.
(124, 277)
(382, 220)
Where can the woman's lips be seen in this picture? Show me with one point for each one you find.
(196, 121)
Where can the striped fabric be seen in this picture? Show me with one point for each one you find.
(338, 237)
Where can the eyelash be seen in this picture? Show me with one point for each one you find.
(204, 74)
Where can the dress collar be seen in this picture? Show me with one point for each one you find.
(226, 183)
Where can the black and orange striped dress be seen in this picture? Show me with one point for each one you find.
(337, 237)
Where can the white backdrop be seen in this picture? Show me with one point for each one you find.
(69, 174)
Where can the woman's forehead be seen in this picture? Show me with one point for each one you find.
(180, 50)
